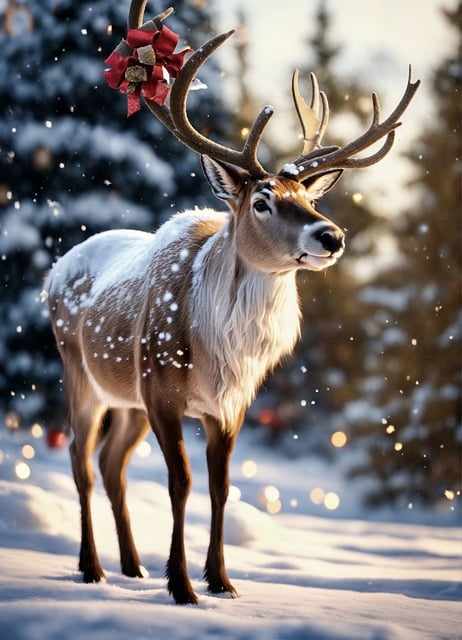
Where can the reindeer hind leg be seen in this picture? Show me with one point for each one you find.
(85, 413)
(128, 427)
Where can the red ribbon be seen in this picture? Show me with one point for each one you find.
(155, 87)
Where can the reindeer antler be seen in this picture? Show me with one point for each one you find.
(316, 159)
(176, 118)
(313, 124)
(136, 15)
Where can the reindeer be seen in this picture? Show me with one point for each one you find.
(189, 320)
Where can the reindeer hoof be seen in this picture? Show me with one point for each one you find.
(225, 590)
(218, 583)
(185, 597)
(182, 593)
(135, 571)
(178, 585)
(93, 576)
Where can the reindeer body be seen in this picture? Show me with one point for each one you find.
(189, 320)
(173, 308)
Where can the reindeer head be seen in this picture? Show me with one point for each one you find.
(277, 227)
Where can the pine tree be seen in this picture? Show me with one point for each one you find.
(72, 164)
(246, 107)
(326, 369)
(414, 443)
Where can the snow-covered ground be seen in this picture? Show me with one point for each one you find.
(304, 573)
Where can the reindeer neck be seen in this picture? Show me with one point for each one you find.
(244, 320)
(221, 272)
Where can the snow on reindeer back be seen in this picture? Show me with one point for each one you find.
(117, 257)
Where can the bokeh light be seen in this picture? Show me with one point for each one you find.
(339, 439)
(274, 506)
(249, 468)
(331, 501)
(234, 493)
(22, 470)
(143, 450)
(12, 421)
(317, 495)
(28, 451)
(271, 493)
(37, 430)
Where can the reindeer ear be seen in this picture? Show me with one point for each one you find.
(225, 179)
(317, 186)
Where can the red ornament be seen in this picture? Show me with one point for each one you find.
(270, 418)
(56, 439)
(137, 64)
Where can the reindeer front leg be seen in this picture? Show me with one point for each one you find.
(220, 444)
(166, 425)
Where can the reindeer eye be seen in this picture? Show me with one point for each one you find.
(261, 206)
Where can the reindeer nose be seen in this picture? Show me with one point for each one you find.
(331, 239)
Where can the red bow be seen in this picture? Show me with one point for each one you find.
(134, 76)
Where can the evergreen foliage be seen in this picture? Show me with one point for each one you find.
(415, 346)
(71, 164)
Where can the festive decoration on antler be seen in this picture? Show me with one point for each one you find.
(144, 63)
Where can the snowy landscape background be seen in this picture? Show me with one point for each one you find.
(344, 517)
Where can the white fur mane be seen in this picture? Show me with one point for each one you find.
(246, 327)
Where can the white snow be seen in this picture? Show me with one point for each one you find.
(290, 169)
(120, 255)
(71, 135)
(300, 576)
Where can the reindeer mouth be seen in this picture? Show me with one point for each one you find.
(316, 262)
